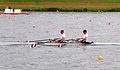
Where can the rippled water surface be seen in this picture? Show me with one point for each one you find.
(102, 27)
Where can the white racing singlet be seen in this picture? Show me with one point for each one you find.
(63, 36)
(85, 36)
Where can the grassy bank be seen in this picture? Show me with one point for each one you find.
(39, 9)
(82, 1)
(63, 6)
(74, 9)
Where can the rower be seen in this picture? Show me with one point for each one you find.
(62, 38)
(85, 37)
(62, 35)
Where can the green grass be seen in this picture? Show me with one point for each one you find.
(86, 1)
(73, 9)
(67, 9)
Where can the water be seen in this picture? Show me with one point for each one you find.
(48, 25)
(102, 27)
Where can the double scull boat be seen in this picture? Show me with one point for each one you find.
(47, 43)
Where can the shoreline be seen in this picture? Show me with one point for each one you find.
(32, 9)
(62, 6)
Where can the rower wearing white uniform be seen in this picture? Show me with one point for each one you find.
(85, 36)
(62, 35)
(62, 38)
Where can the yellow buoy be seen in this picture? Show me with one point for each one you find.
(100, 57)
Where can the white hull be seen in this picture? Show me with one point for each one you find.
(54, 44)
(106, 43)
(51, 44)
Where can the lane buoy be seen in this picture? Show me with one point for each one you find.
(100, 57)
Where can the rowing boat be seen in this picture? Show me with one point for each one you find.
(44, 43)
(47, 43)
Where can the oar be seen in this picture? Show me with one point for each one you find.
(37, 40)
(77, 39)
(70, 40)
(27, 41)
(56, 39)
(46, 40)
(49, 40)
